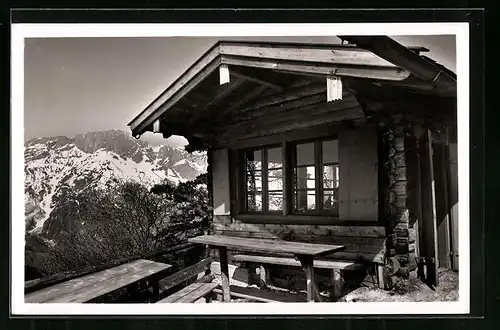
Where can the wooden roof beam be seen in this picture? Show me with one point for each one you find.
(330, 54)
(378, 73)
(240, 73)
(225, 90)
(403, 57)
(203, 67)
(243, 100)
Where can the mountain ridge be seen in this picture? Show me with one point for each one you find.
(99, 158)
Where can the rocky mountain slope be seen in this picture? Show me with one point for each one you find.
(53, 164)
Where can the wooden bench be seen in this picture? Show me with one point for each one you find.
(191, 293)
(337, 267)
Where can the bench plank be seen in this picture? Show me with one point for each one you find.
(191, 293)
(325, 264)
(263, 295)
(97, 284)
(184, 274)
(179, 294)
(201, 292)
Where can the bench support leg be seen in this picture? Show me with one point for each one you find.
(133, 291)
(265, 277)
(224, 270)
(209, 297)
(337, 283)
(156, 289)
(382, 278)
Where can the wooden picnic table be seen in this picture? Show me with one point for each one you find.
(304, 252)
(88, 287)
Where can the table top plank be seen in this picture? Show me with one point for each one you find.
(97, 284)
(267, 245)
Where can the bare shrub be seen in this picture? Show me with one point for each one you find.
(124, 220)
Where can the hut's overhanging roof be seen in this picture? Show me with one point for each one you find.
(283, 67)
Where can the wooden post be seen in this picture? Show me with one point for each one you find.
(442, 205)
(224, 270)
(428, 198)
(307, 265)
(453, 201)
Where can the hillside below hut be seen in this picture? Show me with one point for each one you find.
(351, 144)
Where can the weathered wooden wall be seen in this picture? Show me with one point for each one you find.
(358, 161)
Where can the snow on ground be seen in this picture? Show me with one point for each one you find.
(410, 290)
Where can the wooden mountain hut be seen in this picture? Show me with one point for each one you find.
(352, 144)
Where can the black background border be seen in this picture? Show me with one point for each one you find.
(479, 278)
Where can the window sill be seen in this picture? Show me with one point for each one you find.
(300, 220)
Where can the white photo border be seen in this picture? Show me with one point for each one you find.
(19, 32)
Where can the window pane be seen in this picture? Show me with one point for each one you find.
(330, 176)
(305, 201)
(254, 160)
(330, 151)
(254, 202)
(275, 180)
(274, 158)
(254, 181)
(305, 154)
(275, 201)
(305, 177)
(331, 200)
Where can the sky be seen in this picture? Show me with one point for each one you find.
(77, 85)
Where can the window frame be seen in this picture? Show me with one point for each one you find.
(289, 159)
(265, 173)
(318, 177)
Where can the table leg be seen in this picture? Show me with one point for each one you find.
(156, 289)
(224, 271)
(307, 265)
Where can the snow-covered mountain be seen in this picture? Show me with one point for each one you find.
(53, 164)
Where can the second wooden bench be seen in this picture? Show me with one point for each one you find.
(338, 268)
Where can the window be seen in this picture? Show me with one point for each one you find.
(313, 187)
(316, 178)
(264, 180)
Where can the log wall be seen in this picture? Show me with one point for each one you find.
(363, 243)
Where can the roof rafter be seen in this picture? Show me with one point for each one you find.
(259, 80)
(224, 91)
